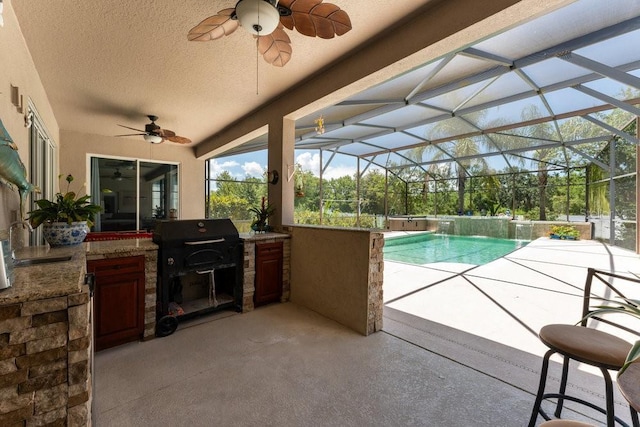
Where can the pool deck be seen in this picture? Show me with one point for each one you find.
(487, 317)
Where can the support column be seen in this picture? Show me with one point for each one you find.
(612, 192)
(637, 186)
(281, 159)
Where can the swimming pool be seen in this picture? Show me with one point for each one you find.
(428, 248)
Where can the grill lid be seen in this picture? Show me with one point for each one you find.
(178, 232)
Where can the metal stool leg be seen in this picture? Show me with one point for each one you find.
(563, 386)
(543, 381)
(634, 417)
(609, 397)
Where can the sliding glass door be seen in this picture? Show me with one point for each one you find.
(133, 193)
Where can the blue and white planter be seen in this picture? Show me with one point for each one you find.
(63, 234)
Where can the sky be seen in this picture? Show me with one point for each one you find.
(255, 164)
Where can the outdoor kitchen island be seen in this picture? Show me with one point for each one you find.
(46, 333)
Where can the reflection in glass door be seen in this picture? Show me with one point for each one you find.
(158, 192)
(133, 193)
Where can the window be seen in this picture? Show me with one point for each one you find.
(133, 193)
(42, 164)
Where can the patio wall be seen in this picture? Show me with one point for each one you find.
(338, 273)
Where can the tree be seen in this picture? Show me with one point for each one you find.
(536, 137)
(372, 192)
(233, 198)
(486, 193)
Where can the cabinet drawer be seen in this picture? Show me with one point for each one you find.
(269, 249)
(116, 266)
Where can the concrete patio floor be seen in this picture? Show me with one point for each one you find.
(458, 348)
(487, 317)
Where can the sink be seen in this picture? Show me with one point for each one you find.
(23, 262)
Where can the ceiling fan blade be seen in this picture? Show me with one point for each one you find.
(276, 47)
(127, 127)
(286, 20)
(132, 134)
(316, 19)
(165, 133)
(178, 139)
(214, 27)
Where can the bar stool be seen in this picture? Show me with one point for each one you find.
(587, 345)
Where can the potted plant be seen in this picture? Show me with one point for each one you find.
(262, 215)
(299, 181)
(66, 219)
(564, 232)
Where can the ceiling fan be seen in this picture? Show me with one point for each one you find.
(116, 176)
(154, 134)
(266, 19)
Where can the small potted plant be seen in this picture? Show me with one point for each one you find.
(299, 181)
(66, 219)
(564, 232)
(262, 215)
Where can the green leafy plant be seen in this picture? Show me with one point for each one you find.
(632, 357)
(65, 207)
(158, 212)
(262, 213)
(565, 230)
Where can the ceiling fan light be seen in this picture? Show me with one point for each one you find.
(154, 139)
(259, 17)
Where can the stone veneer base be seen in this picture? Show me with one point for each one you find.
(45, 348)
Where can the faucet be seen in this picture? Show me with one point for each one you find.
(11, 227)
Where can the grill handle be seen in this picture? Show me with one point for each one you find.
(204, 242)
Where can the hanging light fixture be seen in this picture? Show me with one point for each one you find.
(259, 17)
(154, 139)
(319, 125)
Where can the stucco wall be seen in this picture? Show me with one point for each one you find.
(330, 274)
(76, 146)
(18, 70)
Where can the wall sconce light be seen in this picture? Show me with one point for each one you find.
(273, 177)
(16, 98)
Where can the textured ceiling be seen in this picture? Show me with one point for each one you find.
(105, 63)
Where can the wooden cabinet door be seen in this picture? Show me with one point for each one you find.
(118, 300)
(268, 273)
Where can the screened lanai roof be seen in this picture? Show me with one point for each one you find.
(554, 89)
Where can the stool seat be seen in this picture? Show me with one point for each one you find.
(586, 344)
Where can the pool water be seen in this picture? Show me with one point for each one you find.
(428, 248)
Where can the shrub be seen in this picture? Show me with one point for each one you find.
(565, 230)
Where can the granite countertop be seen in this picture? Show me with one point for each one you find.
(263, 236)
(56, 279)
(50, 280)
(124, 246)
